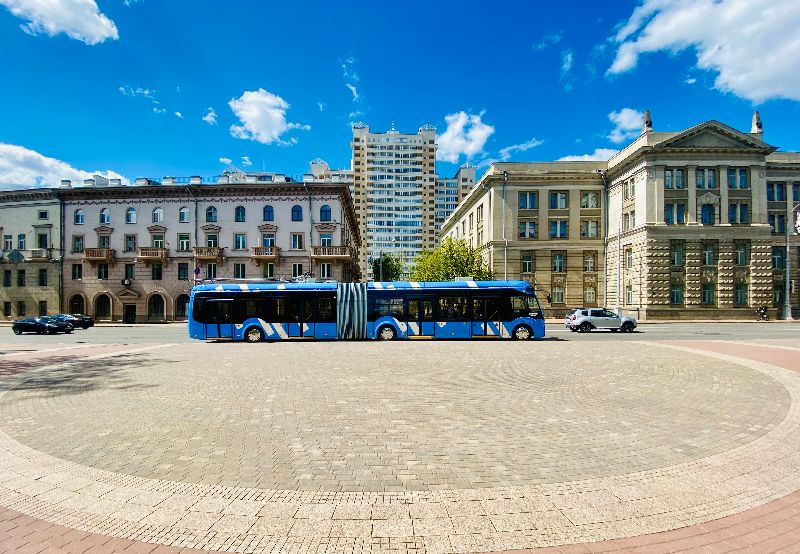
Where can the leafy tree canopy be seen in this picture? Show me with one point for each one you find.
(392, 267)
(453, 258)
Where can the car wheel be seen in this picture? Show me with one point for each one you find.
(253, 334)
(52, 332)
(17, 331)
(386, 333)
(613, 330)
(627, 327)
(522, 332)
(573, 329)
(586, 327)
(68, 331)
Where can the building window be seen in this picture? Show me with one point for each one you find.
(158, 215)
(796, 192)
(738, 213)
(558, 200)
(731, 178)
(130, 271)
(6, 277)
(778, 257)
(527, 229)
(628, 258)
(674, 214)
(527, 262)
(130, 243)
(183, 271)
(528, 201)
(777, 293)
(590, 200)
(8, 243)
(297, 270)
(212, 240)
(21, 241)
(589, 262)
(77, 218)
(158, 241)
(700, 178)
(183, 242)
(776, 192)
(269, 270)
(20, 277)
(325, 270)
(269, 214)
(707, 214)
(105, 216)
(211, 271)
(589, 228)
(708, 293)
(102, 271)
(742, 254)
(558, 228)
(239, 241)
(558, 295)
(211, 214)
(297, 241)
(326, 239)
(239, 214)
(297, 213)
(590, 295)
(743, 179)
(558, 263)
(668, 180)
(680, 183)
(238, 270)
(628, 294)
(7, 309)
(709, 254)
(156, 272)
(41, 240)
(740, 294)
(325, 213)
(183, 215)
(77, 272)
(103, 241)
(777, 223)
(676, 294)
(43, 277)
(43, 214)
(21, 309)
(130, 215)
(676, 254)
(268, 239)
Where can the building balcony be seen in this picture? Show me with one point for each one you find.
(264, 253)
(152, 254)
(207, 253)
(40, 254)
(331, 252)
(101, 255)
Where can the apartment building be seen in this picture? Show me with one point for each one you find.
(449, 192)
(394, 179)
(30, 228)
(539, 222)
(132, 253)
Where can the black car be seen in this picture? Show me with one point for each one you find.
(61, 325)
(38, 325)
(76, 320)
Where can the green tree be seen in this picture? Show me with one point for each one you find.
(452, 258)
(392, 267)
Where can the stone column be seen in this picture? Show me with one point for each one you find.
(723, 195)
(758, 195)
(655, 212)
(691, 203)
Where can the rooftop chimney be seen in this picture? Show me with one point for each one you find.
(66, 183)
(648, 123)
(756, 128)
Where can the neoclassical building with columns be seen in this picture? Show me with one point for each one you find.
(690, 224)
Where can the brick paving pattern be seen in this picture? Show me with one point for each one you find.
(512, 446)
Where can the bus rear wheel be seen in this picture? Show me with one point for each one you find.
(253, 334)
(386, 333)
(522, 332)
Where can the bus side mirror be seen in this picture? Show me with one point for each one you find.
(549, 299)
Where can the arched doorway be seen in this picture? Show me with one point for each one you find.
(155, 307)
(102, 307)
(181, 306)
(77, 305)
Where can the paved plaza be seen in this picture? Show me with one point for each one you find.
(136, 439)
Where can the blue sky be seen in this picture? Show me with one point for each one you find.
(124, 86)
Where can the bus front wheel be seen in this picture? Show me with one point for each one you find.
(253, 334)
(386, 333)
(522, 332)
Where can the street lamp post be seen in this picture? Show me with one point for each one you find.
(787, 300)
(505, 240)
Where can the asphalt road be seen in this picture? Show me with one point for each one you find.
(176, 333)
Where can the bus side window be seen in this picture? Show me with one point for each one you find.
(326, 310)
(519, 306)
(308, 309)
(454, 308)
(198, 311)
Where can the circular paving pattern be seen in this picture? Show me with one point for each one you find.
(394, 417)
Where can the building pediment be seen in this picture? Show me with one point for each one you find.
(267, 228)
(103, 230)
(325, 227)
(157, 229)
(707, 198)
(127, 293)
(715, 136)
(211, 228)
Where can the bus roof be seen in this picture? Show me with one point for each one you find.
(372, 285)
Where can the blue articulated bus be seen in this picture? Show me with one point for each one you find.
(257, 311)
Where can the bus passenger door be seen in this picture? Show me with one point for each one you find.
(420, 317)
(486, 317)
(300, 313)
(219, 319)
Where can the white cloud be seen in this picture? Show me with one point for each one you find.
(246, 161)
(348, 71)
(567, 58)
(508, 151)
(465, 134)
(321, 106)
(225, 161)
(263, 117)
(156, 109)
(601, 154)
(20, 166)
(179, 115)
(78, 19)
(690, 80)
(752, 45)
(210, 117)
(547, 40)
(627, 124)
(138, 91)
(354, 90)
